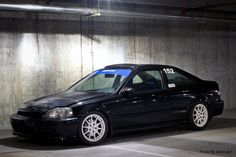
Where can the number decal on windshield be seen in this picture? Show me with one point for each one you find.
(169, 70)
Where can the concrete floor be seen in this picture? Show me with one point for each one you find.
(219, 139)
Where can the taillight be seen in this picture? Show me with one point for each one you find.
(217, 92)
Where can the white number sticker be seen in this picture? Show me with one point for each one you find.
(169, 70)
(171, 85)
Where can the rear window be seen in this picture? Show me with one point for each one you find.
(176, 79)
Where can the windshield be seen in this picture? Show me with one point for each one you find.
(103, 80)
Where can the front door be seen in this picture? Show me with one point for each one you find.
(147, 103)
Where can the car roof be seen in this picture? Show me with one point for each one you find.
(134, 66)
(148, 66)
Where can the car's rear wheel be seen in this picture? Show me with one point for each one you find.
(199, 116)
(93, 128)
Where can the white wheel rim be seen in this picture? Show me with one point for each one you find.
(93, 128)
(200, 115)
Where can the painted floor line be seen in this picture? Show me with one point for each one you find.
(138, 151)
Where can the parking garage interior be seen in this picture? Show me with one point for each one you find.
(48, 45)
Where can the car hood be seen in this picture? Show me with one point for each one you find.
(63, 99)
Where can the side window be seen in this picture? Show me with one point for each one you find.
(136, 80)
(146, 80)
(175, 79)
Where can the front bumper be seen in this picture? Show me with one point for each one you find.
(28, 127)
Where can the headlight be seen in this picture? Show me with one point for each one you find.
(59, 113)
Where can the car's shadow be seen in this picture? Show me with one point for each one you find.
(42, 144)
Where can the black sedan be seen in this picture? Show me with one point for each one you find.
(117, 98)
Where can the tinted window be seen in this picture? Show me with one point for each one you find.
(137, 80)
(104, 80)
(175, 79)
(146, 80)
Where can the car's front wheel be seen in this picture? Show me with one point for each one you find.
(199, 116)
(93, 128)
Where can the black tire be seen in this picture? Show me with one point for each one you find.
(81, 131)
(199, 123)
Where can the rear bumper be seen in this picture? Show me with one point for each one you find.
(217, 107)
(28, 127)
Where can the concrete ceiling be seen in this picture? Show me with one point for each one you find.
(172, 9)
(226, 5)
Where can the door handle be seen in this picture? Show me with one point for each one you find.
(136, 101)
(162, 96)
(185, 91)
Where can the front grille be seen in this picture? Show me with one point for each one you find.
(33, 128)
(30, 114)
(20, 127)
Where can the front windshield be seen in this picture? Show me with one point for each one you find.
(103, 80)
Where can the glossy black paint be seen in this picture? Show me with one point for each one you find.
(123, 111)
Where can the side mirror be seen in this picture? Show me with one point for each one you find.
(127, 91)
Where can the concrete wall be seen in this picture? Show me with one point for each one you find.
(39, 57)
